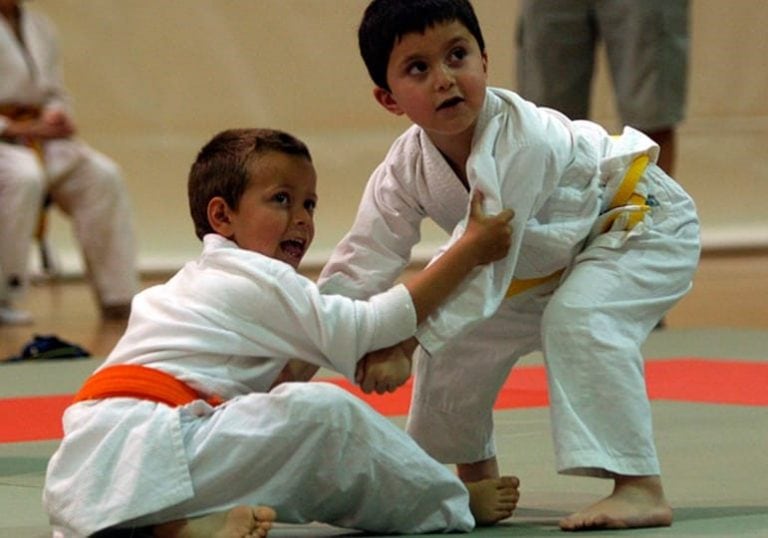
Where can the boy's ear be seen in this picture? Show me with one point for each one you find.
(386, 100)
(219, 216)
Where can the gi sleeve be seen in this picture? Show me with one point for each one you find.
(279, 313)
(378, 247)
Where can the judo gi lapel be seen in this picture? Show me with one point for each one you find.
(496, 146)
(492, 168)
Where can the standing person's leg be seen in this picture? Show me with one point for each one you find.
(556, 54)
(647, 45)
(313, 452)
(593, 327)
(94, 195)
(22, 183)
(451, 414)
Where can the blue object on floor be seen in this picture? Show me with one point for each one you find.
(49, 347)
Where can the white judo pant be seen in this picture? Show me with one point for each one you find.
(88, 187)
(590, 327)
(314, 452)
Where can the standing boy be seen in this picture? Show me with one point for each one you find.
(604, 244)
(181, 429)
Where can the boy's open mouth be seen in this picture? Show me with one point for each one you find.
(293, 247)
(448, 103)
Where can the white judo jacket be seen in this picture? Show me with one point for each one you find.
(225, 324)
(556, 174)
(32, 77)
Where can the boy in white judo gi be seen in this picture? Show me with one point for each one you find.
(604, 244)
(40, 154)
(189, 426)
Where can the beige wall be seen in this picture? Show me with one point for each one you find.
(153, 80)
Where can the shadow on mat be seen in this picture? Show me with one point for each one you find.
(528, 522)
(323, 531)
(13, 466)
(718, 512)
(124, 533)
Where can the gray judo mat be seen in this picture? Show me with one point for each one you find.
(714, 456)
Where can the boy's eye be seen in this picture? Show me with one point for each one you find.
(417, 68)
(282, 198)
(458, 54)
(310, 205)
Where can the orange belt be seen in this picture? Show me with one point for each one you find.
(141, 382)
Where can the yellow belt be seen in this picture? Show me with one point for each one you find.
(625, 196)
(519, 285)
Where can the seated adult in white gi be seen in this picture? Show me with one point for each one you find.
(9, 313)
(149, 442)
(39, 154)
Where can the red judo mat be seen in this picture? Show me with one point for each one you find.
(38, 418)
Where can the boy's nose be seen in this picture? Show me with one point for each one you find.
(302, 217)
(444, 78)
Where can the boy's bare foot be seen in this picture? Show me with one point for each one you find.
(239, 522)
(493, 499)
(636, 501)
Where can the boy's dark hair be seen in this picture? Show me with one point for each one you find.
(386, 21)
(221, 168)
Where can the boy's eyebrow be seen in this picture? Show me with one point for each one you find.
(459, 40)
(285, 185)
(419, 55)
(411, 58)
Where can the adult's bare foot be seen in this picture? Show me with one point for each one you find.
(635, 502)
(239, 522)
(493, 499)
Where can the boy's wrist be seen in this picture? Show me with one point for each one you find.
(468, 252)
